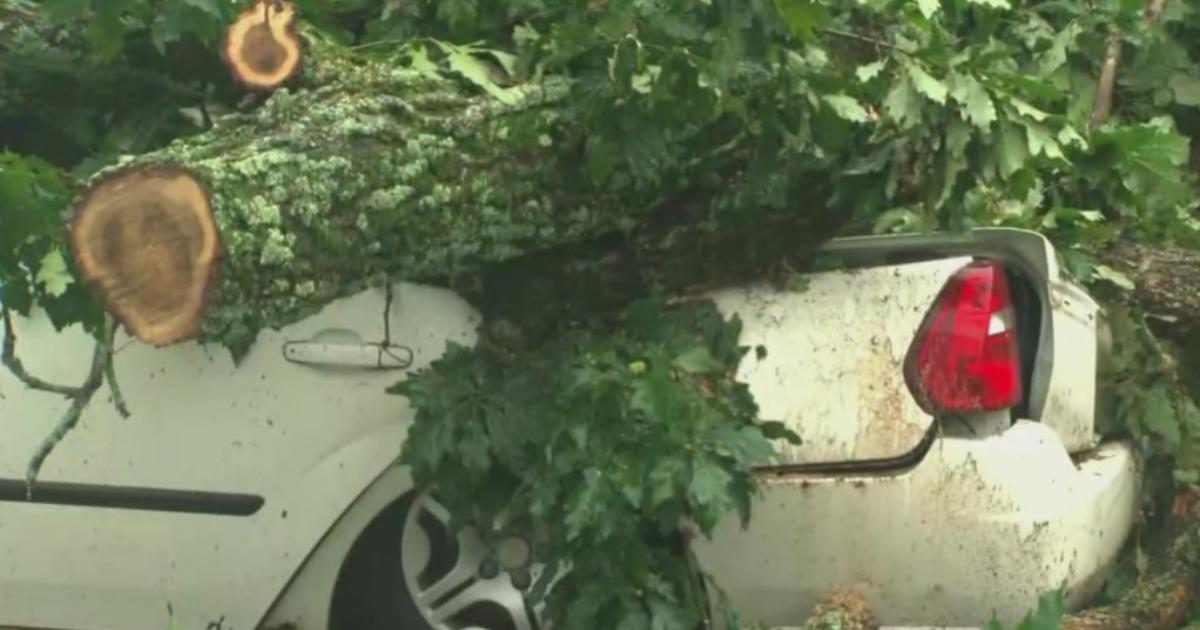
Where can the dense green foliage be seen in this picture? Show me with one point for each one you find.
(892, 115)
(607, 439)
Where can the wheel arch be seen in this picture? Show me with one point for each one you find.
(306, 603)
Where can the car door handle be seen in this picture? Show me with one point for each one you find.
(371, 356)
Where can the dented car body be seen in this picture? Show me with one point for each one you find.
(944, 388)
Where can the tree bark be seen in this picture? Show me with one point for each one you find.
(1166, 283)
(1164, 597)
(372, 170)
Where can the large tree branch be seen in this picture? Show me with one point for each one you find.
(376, 171)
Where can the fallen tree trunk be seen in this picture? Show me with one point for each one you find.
(1164, 597)
(1166, 283)
(372, 171)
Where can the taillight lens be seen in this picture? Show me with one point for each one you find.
(964, 357)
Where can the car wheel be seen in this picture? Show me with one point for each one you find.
(457, 582)
(429, 578)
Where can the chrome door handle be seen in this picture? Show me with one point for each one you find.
(371, 356)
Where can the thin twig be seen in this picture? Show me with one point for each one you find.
(381, 42)
(114, 388)
(79, 400)
(861, 38)
(8, 357)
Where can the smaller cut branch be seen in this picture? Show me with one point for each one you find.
(146, 242)
(261, 47)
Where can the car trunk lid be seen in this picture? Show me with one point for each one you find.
(827, 359)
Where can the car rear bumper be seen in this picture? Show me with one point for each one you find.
(978, 526)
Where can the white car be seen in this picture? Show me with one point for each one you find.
(944, 388)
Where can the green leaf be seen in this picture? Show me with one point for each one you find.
(698, 360)
(929, 7)
(847, 107)
(418, 59)
(1012, 150)
(709, 492)
(1056, 56)
(1025, 109)
(1041, 141)
(1048, 616)
(1157, 414)
(1150, 159)
(958, 137)
(1104, 272)
(1069, 137)
(802, 17)
(898, 221)
(871, 70)
(634, 619)
(665, 478)
(775, 430)
(665, 616)
(926, 84)
(994, 4)
(62, 10)
(977, 105)
(207, 6)
(106, 33)
(903, 104)
(466, 64)
(53, 274)
(1187, 88)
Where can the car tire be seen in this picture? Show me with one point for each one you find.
(370, 593)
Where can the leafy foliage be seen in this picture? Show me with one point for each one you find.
(33, 263)
(608, 439)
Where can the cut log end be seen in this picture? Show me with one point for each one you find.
(146, 242)
(261, 47)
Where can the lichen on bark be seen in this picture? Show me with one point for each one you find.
(378, 170)
(370, 169)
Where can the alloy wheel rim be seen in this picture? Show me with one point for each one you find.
(456, 581)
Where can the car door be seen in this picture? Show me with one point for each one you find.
(205, 500)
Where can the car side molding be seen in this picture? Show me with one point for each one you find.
(130, 498)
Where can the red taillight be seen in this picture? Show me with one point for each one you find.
(964, 357)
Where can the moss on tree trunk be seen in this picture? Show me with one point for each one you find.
(372, 169)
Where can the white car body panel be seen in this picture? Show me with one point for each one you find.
(326, 458)
(837, 386)
(978, 525)
(308, 439)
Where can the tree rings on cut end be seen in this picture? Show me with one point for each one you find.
(146, 242)
(261, 47)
